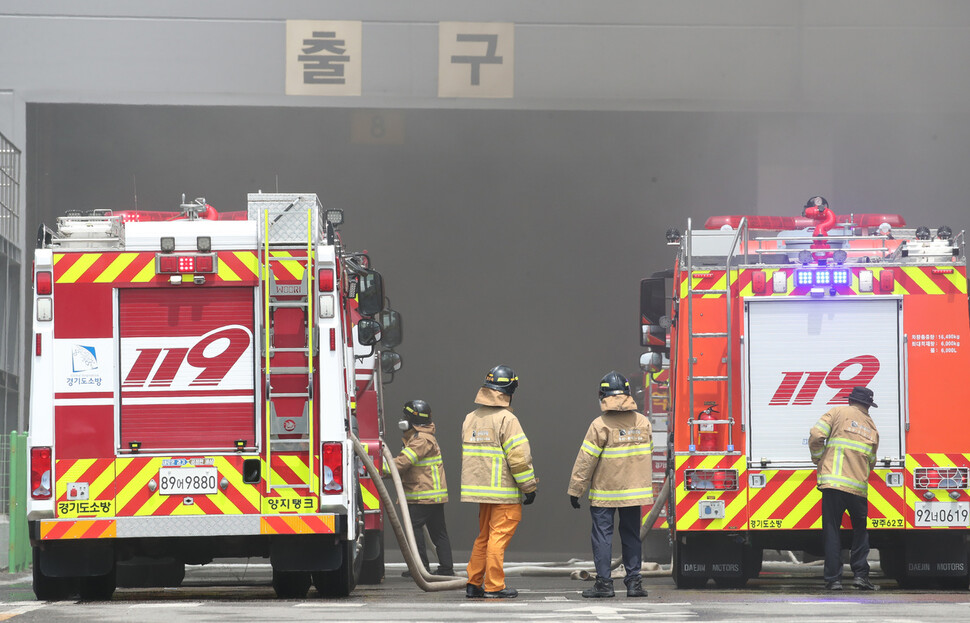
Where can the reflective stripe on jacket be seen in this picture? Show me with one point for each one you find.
(843, 443)
(496, 460)
(615, 459)
(421, 467)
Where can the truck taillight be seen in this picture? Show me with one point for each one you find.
(333, 467)
(45, 282)
(325, 280)
(40, 473)
(887, 281)
(711, 480)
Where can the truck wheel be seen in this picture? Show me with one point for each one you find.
(47, 588)
(342, 581)
(98, 587)
(291, 584)
(372, 571)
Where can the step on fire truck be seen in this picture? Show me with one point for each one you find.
(196, 378)
(771, 323)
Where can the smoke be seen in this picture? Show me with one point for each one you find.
(513, 237)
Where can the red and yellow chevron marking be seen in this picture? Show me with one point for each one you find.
(368, 491)
(887, 505)
(288, 270)
(119, 267)
(80, 529)
(292, 471)
(297, 524)
(97, 474)
(788, 501)
(913, 495)
(735, 502)
(136, 499)
(908, 280)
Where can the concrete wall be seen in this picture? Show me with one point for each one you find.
(781, 55)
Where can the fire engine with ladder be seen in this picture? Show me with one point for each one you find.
(771, 321)
(196, 381)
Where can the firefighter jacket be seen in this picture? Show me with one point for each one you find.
(421, 468)
(496, 460)
(615, 460)
(843, 444)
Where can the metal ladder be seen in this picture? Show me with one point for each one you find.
(726, 334)
(273, 256)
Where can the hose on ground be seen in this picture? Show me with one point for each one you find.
(406, 518)
(414, 564)
(645, 527)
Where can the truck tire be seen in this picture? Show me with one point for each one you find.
(291, 584)
(342, 581)
(97, 587)
(48, 588)
(372, 571)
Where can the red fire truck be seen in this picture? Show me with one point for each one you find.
(194, 378)
(772, 323)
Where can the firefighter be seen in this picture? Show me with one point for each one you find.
(423, 478)
(614, 462)
(496, 472)
(843, 444)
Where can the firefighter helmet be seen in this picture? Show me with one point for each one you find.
(501, 379)
(418, 411)
(614, 383)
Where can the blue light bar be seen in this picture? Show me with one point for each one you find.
(840, 277)
(803, 278)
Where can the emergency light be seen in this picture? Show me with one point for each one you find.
(823, 277)
(45, 282)
(179, 264)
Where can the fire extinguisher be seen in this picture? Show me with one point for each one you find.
(705, 432)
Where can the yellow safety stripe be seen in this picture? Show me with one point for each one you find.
(624, 451)
(411, 454)
(524, 476)
(422, 495)
(592, 450)
(504, 492)
(475, 450)
(513, 442)
(620, 494)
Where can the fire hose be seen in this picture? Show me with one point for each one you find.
(404, 531)
(421, 577)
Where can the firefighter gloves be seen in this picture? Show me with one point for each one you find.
(574, 501)
(530, 497)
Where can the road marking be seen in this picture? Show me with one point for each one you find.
(22, 607)
(22, 580)
(327, 604)
(169, 604)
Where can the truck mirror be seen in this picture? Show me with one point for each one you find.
(370, 296)
(368, 332)
(651, 362)
(393, 326)
(390, 362)
(653, 300)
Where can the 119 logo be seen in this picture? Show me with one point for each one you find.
(215, 353)
(808, 389)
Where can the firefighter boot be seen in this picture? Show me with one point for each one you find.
(474, 590)
(602, 588)
(634, 588)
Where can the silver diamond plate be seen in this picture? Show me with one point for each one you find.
(287, 216)
(209, 525)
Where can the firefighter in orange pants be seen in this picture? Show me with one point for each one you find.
(496, 472)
